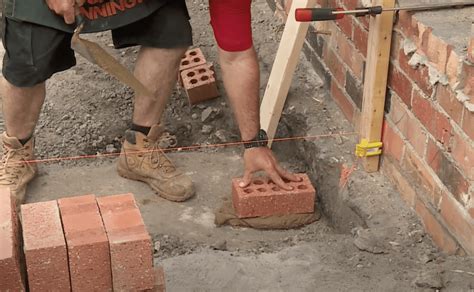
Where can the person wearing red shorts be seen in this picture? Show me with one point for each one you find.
(37, 36)
(231, 22)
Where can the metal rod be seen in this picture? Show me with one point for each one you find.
(430, 7)
(409, 8)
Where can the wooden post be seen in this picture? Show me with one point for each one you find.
(376, 75)
(283, 69)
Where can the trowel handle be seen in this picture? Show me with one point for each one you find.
(79, 23)
(79, 19)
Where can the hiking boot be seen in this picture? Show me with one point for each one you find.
(143, 160)
(15, 170)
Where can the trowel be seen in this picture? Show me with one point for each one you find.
(97, 55)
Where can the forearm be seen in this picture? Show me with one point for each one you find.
(241, 77)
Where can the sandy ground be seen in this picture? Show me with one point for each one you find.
(370, 242)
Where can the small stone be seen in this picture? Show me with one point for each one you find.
(220, 245)
(365, 240)
(220, 134)
(194, 116)
(110, 148)
(430, 279)
(426, 257)
(157, 246)
(206, 129)
(206, 114)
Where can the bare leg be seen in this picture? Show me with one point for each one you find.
(157, 69)
(21, 108)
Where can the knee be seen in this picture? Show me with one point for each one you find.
(237, 57)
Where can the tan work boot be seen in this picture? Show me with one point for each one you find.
(141, 159)
(15, 170)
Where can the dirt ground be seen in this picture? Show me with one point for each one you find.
(367, 239)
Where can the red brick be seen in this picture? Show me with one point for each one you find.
(342, 101)
(470, 49)
(192, 58)
(407, 24)
(350, 56)
(87, 244)
(438, 233)
(468, 122)
(392, 142)
(468, 79)
(453, 68)
(419, 75)
(398, 115)
(11, 274)
(288, 6)
(345, 24)
(463, 154)
(160, 285)
(351, 4)
(421, 173)
(446, 170)
(45, 247)
(459, 222)
(424, 34)
(336, 66)
(365, 21)
(200, 83)
(406, 191)
(435, 122)
(263, 198)
(131, 253)
(437, 52)
(448, 101)
(416, 135)
(361, 39)
(399, 83)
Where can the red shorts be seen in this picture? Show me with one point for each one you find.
(231, 21)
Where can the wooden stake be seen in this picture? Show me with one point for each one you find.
(283, 69)
(376, 75)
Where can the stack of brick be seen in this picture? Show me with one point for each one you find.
(264, 198)
(78, 244)
(11, 276)
(428, 131)
(197, 77)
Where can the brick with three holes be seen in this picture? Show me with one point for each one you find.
(264, 198)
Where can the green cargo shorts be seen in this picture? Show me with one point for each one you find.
(33, 53)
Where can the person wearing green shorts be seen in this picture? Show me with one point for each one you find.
(37, 36)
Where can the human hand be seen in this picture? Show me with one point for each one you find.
(65, 8)
(262, 158)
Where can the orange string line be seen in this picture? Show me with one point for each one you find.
(183, 148)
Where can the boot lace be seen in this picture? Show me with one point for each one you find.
(12, 165)
(158, 158)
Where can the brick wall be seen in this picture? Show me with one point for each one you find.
(428, 131)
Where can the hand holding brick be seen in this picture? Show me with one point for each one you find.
(264, 198)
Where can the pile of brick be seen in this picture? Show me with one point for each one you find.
(197, 77)
(264, 198)
(80, 244)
